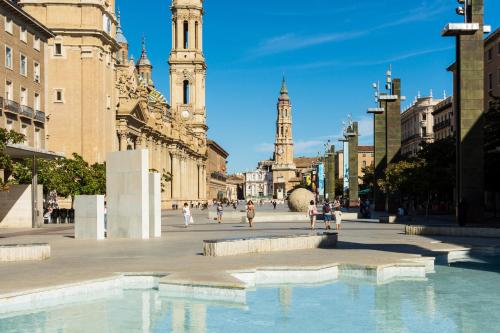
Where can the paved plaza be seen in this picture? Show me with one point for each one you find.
(178, 253)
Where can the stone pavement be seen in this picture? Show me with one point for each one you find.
(178, 252)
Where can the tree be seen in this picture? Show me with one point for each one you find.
(7, 137)
(368, 178)
(68, 177)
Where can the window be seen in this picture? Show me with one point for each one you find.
(24, 130)
(424, 116)
(106, 23)
(36, 104)
(424, 131)
(36, 71)
(9, 125)
(490, 54)
(59, 98)
(57, 49)
(196, 45)
(36, 43)
(9, 25)
(186, 34)
(9, 92)
(490, 81)
(23, 100)
(23, 68)
(364, 164)
(8, 57)
(23, 35)
(186, 92)
(38, 138)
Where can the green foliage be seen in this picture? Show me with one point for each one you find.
(68, 177)
(368, 178)
(339, 187)
(7, 137)
(166, 177)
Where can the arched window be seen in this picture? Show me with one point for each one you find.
(186, 35)
(186, 92)
(196, 45)
(175, 35)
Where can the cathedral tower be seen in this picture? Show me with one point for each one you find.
(144, 67)
(188, 67)
(283, 166)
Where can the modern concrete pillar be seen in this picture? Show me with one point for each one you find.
(89, 217)
(154, 205)
(127, 185)
(380, 155)
(330, 173)
(469, 120)
(353, 165)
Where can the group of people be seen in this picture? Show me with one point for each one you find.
(329, 210)
(188, 217)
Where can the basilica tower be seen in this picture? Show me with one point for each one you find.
(283, 166)
(188, 67)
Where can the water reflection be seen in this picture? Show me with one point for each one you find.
(452, 300)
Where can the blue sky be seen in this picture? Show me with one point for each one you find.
(330, 51)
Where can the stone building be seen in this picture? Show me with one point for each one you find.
(366, 157)
(258, 184)
(81, 113)
(101, 101)
(23, 74)
(235, 186)
(443, 119)
(217, 171)
(417, 124)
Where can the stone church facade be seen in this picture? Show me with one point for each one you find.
(100, 100)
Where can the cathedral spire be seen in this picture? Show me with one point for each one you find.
(284, 89)
(144, 60)
(120, 37)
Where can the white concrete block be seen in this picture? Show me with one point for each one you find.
(89, 217)
(154, 205)
(127, 184)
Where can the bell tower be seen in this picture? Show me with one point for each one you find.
(283, 166)
(187, 66)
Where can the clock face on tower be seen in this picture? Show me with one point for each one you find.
(281, 151)
(186, 114)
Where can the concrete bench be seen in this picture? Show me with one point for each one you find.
(454, 231)
(230, 247)
(24, 252)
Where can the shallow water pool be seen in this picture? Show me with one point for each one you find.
(462, 298)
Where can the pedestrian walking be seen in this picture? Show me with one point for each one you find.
(220, 212)
(250, 212)
(338, 214)
(327, 214)
(186, 212)
(312, 211)
(274, 204)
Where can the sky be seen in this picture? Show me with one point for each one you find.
(330, 52)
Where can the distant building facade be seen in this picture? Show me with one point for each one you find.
(366, 158)
(235, 187)
(443, 119)
(23, 74)
(492, 66)
(259, 184)
(417, 124)
(217, 171)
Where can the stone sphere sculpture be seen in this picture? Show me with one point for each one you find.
(299, 200)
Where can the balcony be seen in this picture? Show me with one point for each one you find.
(442, 124)
(410, 138)
(40, 116)
(1, 103)
(26, 111)
(11, 106)
(218, 176)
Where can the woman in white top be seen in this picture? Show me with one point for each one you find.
(187, 214)
(312, 211)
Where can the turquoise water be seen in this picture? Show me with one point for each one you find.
(461, 298)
